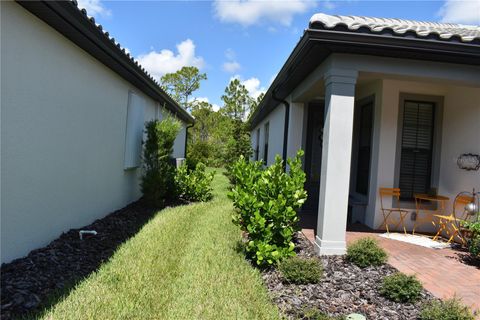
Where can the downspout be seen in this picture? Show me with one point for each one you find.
(186, 138)
(285, 128)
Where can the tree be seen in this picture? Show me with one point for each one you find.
(207, 139)
(181, 84)
(237, 101)
(237, 104)
(256, 103)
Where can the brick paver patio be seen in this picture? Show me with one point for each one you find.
(440, 270)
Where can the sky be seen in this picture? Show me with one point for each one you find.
(245, 39)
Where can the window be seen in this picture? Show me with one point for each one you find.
(416, 148)
(134, 132)
(257, 145)
(265, 148)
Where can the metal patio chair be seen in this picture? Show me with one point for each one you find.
(388, 212)
(451, 223)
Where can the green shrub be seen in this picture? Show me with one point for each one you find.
(366, 252)
(194, 185)
(199, 151)
(301, 271)
(266, 202)
(158, 179)
(451, 309)
(473, 242)
(238, 145)
(400, 287)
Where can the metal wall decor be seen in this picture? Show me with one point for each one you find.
(469, 161)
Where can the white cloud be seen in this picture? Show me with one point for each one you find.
(249, 12)
(94, 7)
(215, 106)
(252, 85)
(231, 66)
(458, 11)
(166, 61)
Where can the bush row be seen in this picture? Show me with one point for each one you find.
(266, 202)
(161, 182)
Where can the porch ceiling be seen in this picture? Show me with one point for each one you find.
(317, 90)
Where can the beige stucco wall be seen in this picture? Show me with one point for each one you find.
(276, 120)
(63, 124)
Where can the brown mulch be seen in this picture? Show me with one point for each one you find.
(31, 283)
(344, 289)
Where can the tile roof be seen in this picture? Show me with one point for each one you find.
(112, 39)
(399, 27)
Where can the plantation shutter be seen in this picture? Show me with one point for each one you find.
(417, 145)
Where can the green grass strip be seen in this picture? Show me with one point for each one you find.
(183, 264)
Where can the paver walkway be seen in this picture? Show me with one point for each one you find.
(439, 270)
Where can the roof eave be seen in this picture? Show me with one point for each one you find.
(386, 45)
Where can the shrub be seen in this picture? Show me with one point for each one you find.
(301, 271)
(238, 145)
(266, 203)
(199, 151)
(366, 252)
(194, 185)
(157, 182)
(451, 309)
(400, 287)
(473, 242)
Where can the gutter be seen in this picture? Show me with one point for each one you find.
(285, 126)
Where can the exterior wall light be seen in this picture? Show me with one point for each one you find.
(469, 161)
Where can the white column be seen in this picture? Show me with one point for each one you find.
(336, 158)
(295, 128)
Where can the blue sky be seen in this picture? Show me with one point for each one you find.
(246, 39)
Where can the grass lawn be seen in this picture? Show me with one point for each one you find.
(183, 264)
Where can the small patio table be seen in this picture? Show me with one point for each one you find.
(420, 200)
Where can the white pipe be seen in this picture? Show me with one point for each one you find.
(82, 232)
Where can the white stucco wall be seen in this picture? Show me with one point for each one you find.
(63, 125)
(459, 134)
(276, 120)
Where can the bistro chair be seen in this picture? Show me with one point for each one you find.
(451, 223)
(388, 212)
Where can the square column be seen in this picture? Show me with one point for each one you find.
(336, 158)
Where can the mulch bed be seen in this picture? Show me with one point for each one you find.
(344, 289)
(28, 283)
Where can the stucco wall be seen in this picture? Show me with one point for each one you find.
(276, 120)
(63, 125)
(459, 134)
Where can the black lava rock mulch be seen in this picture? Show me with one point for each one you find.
(27, 283)
(344, 289)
